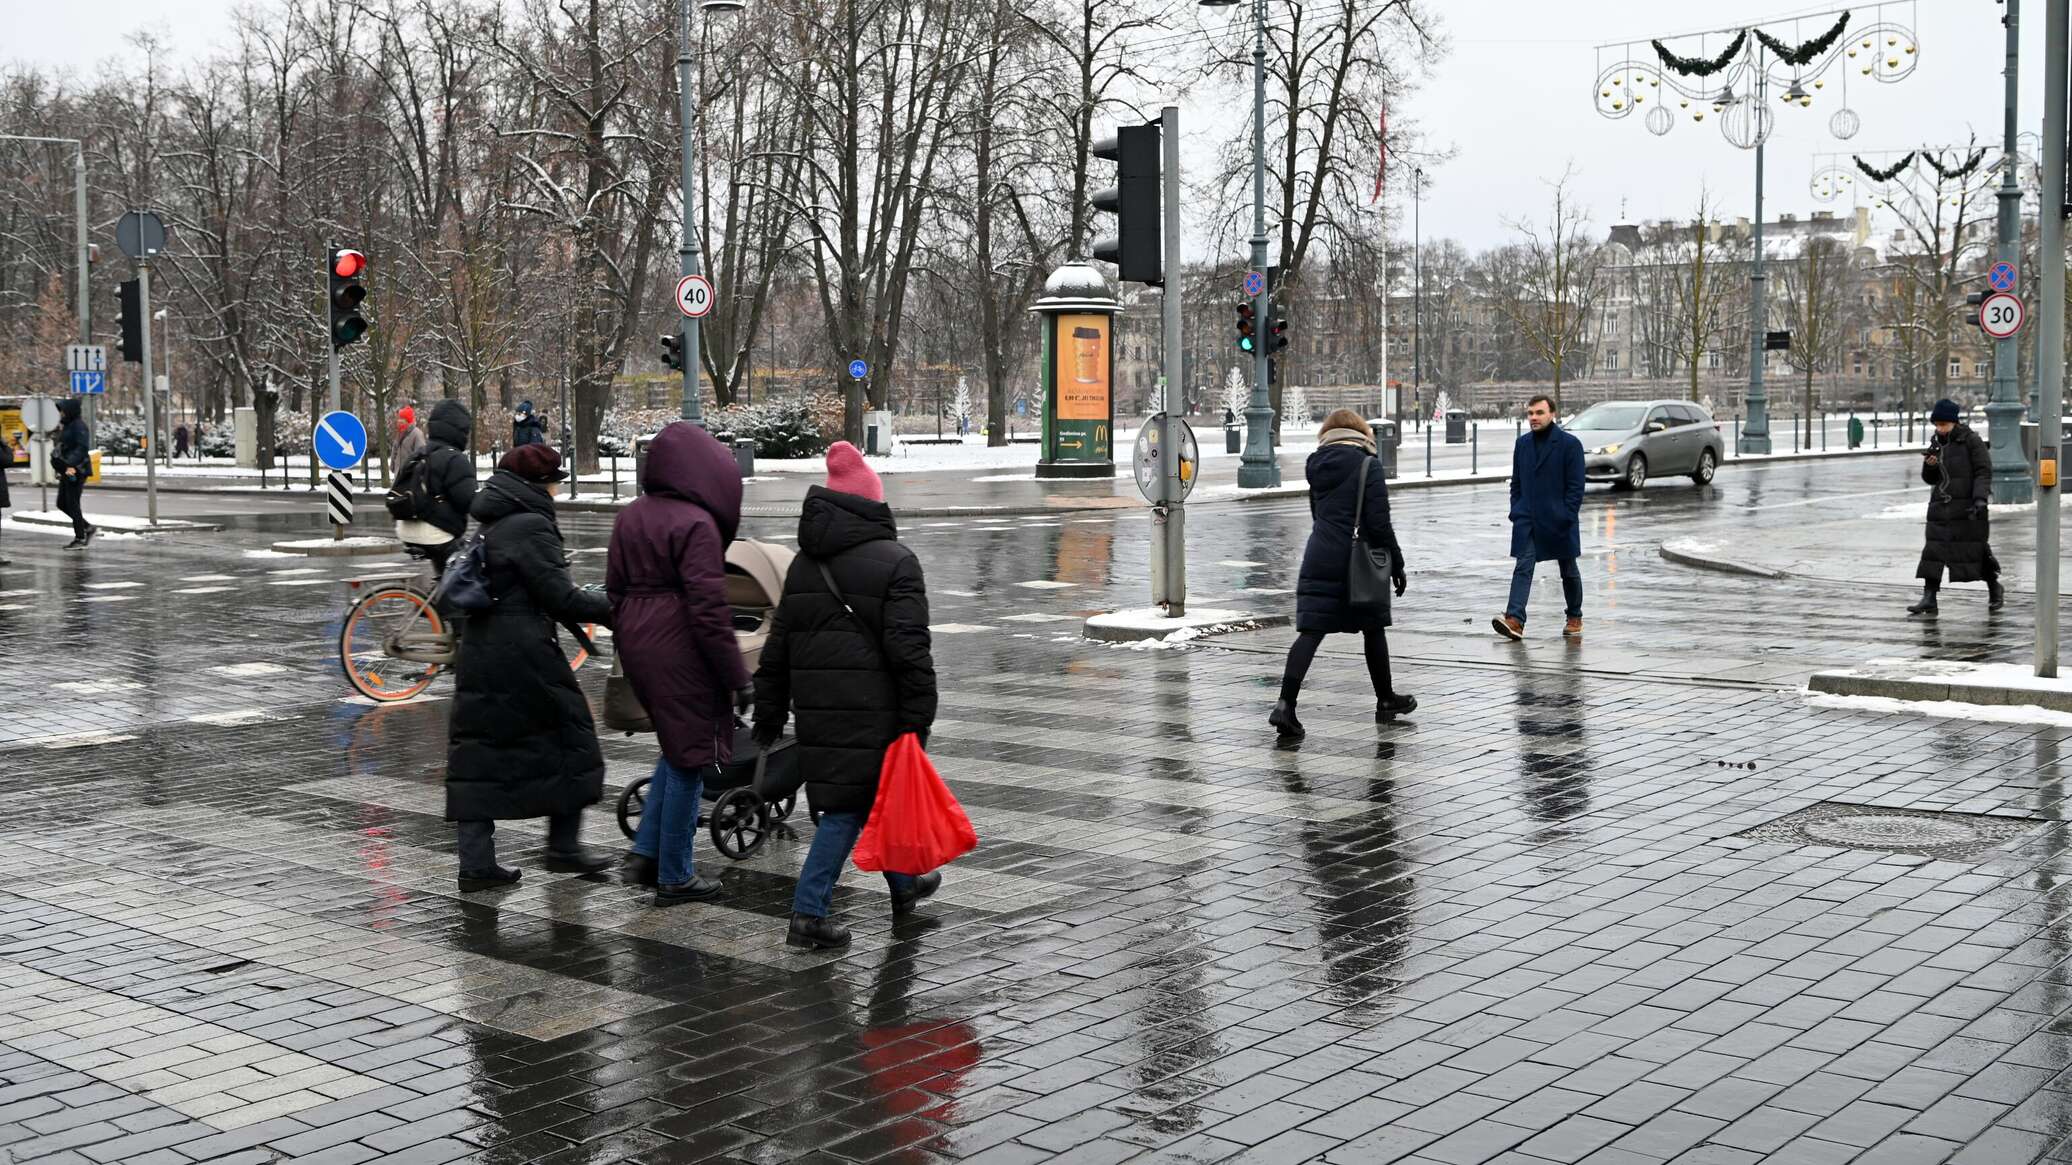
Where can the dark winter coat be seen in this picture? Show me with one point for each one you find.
(528, 429)
(1334, 477)
(1547, 495)
(667, 578)
(856, 684)
(1957, 523)
(75, 443)
(452, 470)
(521, 742)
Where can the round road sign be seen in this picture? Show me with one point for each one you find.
(1149, 459)
(2002, 276)
(693, 296)
(2002, 315)
(1255, 283)
(858, 369)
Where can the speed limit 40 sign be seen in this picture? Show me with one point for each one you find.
(693, 296)
(2002, 314)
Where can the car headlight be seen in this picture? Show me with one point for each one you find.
(1608, 450)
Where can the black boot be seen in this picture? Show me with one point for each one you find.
(1283, 720)
(823, 934)
(1396, 704)
(1996, 595)
(636, 869)
(924, 886)
(575, 861)
(496, 877)
(1927, 604)
(698, 889)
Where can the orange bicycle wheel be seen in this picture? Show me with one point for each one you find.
(574, 647)
(378, 618)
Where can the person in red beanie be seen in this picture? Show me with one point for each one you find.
(849, 653)
(410, 440)
(521, 742)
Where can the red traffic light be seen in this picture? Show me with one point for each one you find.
(348, 264)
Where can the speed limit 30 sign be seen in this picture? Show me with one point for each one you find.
(693, 296)
(2002, 314)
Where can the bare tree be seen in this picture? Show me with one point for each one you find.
(1818, 289)
(1684, 287)
(1546, 283)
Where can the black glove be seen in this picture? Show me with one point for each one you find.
(1402, 582)
(744, 698)
(764, 737)
(1978, 510)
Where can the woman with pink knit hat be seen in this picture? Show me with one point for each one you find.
(849, 653)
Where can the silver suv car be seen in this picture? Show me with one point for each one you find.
(1624, 442)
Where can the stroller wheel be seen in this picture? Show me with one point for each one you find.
(737, 823)
(782, 809)
(631, 804)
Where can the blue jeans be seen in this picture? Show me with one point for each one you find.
(833, 839)
(1521, 585)
(669, 821)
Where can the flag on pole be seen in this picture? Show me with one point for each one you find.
(1381, 174)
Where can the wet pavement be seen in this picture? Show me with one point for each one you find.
(1521, 926)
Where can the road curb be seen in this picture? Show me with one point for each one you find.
(1698, 561)
(1853, 683)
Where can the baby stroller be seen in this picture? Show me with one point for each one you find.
(751, 795)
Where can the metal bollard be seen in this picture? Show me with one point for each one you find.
(1823, 430)
(1474, 450)
(1737, 434)
(1874, 428)
(1428, 450)
(615, 477)
(1797, 422)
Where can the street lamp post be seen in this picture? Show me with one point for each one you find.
(690, 251)
(1259, 468)
(83, 298)
(1417, 286)
(2011, 481)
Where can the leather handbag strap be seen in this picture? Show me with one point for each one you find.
(828, 576)
(1360, 503)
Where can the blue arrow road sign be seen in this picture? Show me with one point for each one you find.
(89, 382)
(341, 440)
(2002, 277)
(858, 369)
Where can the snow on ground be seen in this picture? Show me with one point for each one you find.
(1990, 675)
(1947, 709)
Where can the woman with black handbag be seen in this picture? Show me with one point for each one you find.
(1347, 569)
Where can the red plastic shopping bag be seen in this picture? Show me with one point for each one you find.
(915, 824)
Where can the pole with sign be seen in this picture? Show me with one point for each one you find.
(340, 442)
(141, 235)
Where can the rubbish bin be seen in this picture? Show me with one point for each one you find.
(1855, 432)
(744, 456)
(1231, 440)
(640, 448)
(1387, 439)
(1456, 426)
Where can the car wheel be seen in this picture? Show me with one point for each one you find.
(1707, 463)
(1636, 471)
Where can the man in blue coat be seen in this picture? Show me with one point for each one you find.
(1546, 508)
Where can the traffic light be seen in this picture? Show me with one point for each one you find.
(1245, 331)
(1975, 299)
(131, 323)
(347, 324)
(672, 351)
(1277, 330)
(1137, 245)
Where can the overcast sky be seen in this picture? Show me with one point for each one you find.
(1512, 99)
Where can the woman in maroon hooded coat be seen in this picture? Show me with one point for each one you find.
(675, 636)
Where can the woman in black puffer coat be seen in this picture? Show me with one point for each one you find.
(1960, 468)
(1343, 446)
(521, 742)
(857, 668)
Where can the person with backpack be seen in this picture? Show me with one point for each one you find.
(667, 578)
(74, 462)
(850, 648)
(521, 742)
(434, 489)
(526, 426)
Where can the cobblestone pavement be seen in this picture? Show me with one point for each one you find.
(1522, 926)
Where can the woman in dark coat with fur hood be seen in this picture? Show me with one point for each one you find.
(521, 743)
(1343, 445)
(1960, 468)
(673, 629)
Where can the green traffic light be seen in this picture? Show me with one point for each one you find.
(1244, 343)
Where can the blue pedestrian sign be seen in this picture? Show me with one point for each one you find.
(89, 383)
(1255, 284)
(2002, 277)
(858, 369)
(341, 440)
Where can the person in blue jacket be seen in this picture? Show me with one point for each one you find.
(1546, 511)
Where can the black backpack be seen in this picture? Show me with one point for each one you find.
(410, 497)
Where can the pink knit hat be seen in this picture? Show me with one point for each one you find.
(847, 473)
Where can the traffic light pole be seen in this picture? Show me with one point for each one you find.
(1755, 434)
(1259, 468)
(2011, 481)
(1172, 527)
(693, 351)
(2050, 333)
(150, 393)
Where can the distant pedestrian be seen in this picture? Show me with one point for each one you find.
(409, 440)
(1960, 468)
(74, 462)
(1546, 516)
(1337, 503)
(442, 479)
(180, 440)
(1229, 418)
(526, 426)
(5, 500)
(667, 578)
(859, 680)
(521, 742)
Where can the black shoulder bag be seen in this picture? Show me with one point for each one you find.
(1367, 571)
